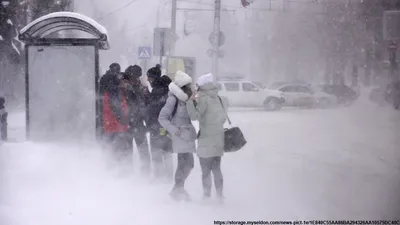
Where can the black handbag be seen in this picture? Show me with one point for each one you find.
(162, 142)
(234, 138)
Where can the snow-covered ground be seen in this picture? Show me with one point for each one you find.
(299, 164)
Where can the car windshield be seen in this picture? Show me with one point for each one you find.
(259, 85)
(276, 85)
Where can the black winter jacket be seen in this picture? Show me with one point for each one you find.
(137, 99)
(158, 97)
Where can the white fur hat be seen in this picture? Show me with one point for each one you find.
(181, 79)
(205, 79)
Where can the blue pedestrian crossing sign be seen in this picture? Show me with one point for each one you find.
(144, 52)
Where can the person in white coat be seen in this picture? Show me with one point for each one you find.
(175, 119)
(207, 108)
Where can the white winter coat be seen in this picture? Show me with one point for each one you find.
(208, 110)
(185, 143)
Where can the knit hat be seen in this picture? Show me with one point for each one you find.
(133, 72)
(115, 67)
(205, 79)
(154, 72)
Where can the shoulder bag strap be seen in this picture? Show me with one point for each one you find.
(226, 113)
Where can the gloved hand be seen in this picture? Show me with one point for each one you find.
(163, 131)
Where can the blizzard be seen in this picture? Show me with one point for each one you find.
(336, 164)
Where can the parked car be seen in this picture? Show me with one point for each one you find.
(344, 94)
(304, 95)
(279, 84)
(243, 93)
(260, 84)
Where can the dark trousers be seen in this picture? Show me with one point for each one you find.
(185, 166)
(213, 165)
(121, 147)
(144, 154)
(161, 156)
(162, 163)
(3, 127)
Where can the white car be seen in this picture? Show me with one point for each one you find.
(300, 95)
(243, 93)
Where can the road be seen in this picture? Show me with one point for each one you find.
(299, 164)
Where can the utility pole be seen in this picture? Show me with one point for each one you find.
(393, 60)
(173, 24)
(28, 12)
(216, 33)
(162, 48)
(173, 28)
(72, 6)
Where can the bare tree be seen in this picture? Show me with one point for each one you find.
(39, 8)
(10, 51)
(14, 15)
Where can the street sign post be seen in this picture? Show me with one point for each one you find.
(213, 39)
(210, 53)
(162, 42)
(144, 52)
(163, 38)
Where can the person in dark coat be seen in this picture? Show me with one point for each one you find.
(114, 108)
(3, 120)
(138, 100)
(392, 94)
(161, 144)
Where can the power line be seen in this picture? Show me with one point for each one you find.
(119, 9)
(304, 2)
(207, 10)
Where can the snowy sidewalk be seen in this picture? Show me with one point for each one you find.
(299, 164)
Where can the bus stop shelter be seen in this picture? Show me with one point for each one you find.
(62, 77)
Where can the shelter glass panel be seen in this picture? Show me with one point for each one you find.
(62, 94)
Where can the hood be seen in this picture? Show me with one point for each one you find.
(205, 79)
(161, 82)
(209, 89)
(177, 91)
(181, 79)
(110, 72)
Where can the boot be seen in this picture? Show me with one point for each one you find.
(220, 197)
(207, 195)
(179, 194)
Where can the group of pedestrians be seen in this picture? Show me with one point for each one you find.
(128, 113)
(205, 106)
(166, 112)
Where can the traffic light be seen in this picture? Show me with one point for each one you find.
(246, 3)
